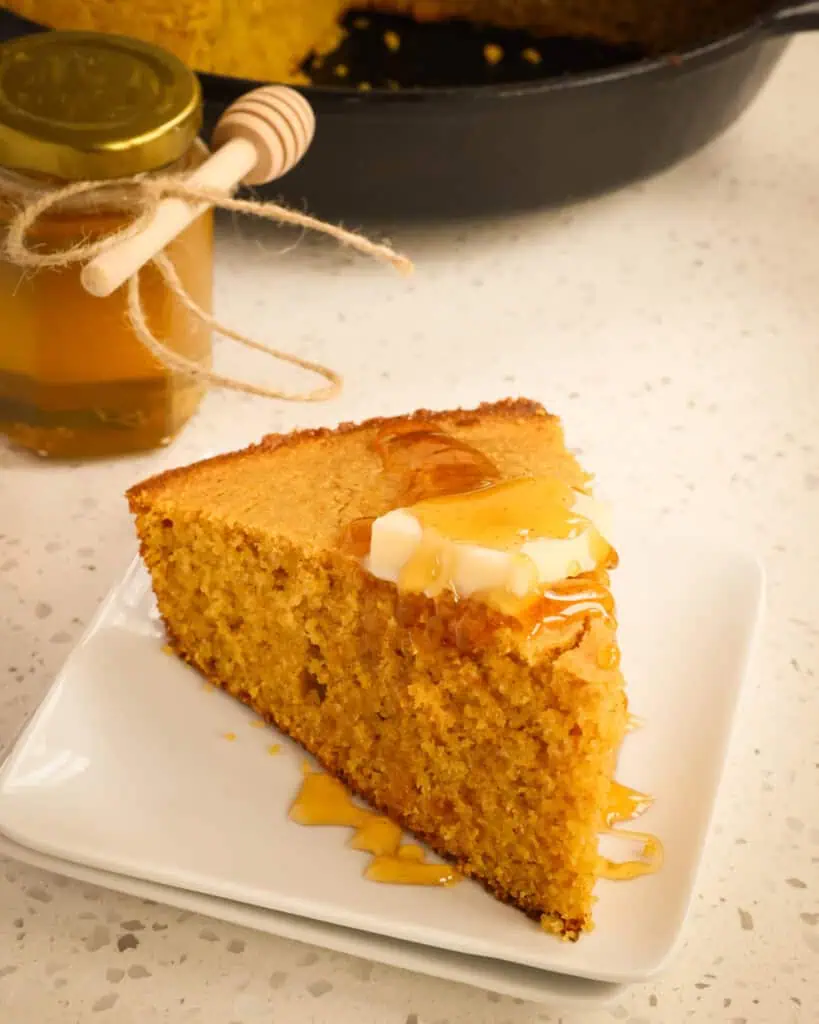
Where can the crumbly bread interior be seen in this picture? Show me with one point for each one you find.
(495, 746)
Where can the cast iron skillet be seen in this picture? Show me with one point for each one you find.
(589, 119)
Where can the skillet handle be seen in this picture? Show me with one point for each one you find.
(793, 16)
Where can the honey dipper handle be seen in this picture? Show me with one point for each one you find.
(227, 167)
(259, 138)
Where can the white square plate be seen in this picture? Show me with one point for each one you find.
(126, 768)
(555, 990)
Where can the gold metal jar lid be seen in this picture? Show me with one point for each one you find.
(86, 105)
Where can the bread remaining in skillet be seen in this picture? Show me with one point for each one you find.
(270, 40)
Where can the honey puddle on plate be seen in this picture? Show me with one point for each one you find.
(626, 804)
(324, 800)
(650, 862)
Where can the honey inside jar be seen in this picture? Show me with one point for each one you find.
(75, 380)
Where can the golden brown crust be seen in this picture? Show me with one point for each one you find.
(506, 408)
(465, 624)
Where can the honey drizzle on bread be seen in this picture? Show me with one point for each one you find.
(454, 488)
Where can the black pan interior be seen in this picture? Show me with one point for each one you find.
(383, 51)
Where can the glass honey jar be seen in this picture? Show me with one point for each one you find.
(75, 381)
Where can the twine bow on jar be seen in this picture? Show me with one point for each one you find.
(259, 138)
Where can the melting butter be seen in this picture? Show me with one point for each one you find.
(459, 525)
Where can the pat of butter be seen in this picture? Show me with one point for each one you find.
(397, 536)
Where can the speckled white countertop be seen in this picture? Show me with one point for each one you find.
(675, 327)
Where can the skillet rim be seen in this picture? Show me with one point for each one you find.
(663, 65)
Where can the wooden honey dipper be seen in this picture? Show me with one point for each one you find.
(258, 138)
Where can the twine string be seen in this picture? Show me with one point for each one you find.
(141, 195)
